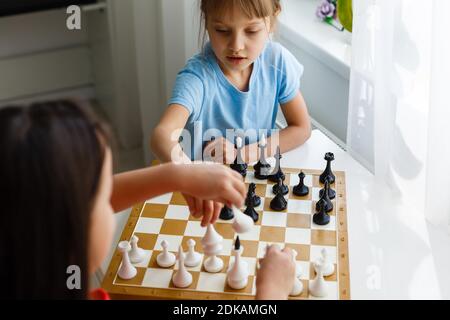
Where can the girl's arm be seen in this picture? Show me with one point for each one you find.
(164, 141)
(294, 135)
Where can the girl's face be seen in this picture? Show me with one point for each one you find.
(102, 221)
(237, 40)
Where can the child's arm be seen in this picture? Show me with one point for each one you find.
(202, 181)
(294, 135)
(275, 277)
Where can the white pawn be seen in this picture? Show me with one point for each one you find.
(328, 267)
(136, 254)
(182, 278)
(297, 289)
(212, 246)
(237, 277)
(318, 286)
(166, 258)
(127, 270)
(193, 258)
(298, 268)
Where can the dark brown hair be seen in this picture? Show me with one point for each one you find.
(50, 167)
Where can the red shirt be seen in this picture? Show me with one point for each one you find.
(99, 294)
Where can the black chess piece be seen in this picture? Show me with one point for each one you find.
(278, 173)
(252, 197)
(301, 190)
(325, 200)
(279, 203)
(331, 193)
(321, 218)
(327, 173)
(262, 168)
(280, 185)
(239, 165)
(251, 212)
(226, 213)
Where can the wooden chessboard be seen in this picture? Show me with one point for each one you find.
(167, 218)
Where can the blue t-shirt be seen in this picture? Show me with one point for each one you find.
(215, 104)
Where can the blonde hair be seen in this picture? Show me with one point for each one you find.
(251, 8)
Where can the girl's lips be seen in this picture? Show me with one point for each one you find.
(235, 60)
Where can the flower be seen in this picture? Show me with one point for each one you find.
(326, 10)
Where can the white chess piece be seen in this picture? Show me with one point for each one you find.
(318, 286)
(212, 246)
(242, 223)
(182, 278)
(328, 267)
(297, 289)
(136, 254)
(166, 258)
(193, 258)
(237, 276)
(298, 268)
(127, 270)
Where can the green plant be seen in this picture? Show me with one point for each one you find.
(345, 13)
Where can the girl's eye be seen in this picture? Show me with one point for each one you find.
(222, 30)
(252, 31)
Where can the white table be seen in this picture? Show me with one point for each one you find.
(393, 253)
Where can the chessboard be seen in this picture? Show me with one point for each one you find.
(167, 218)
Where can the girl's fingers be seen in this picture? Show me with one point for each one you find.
(198, 207)
(232, 196)
(206, 217)
(217, 208)
(191, 204)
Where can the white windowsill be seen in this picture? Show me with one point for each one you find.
(299, 25)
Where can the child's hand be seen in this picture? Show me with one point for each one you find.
(275, 277)
(220, 150)
(207, 186)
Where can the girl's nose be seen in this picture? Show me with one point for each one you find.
(236, 44)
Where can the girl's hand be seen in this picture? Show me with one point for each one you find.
(220, 150)
(209, 209)
(275, 277)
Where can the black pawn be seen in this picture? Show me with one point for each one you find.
(325, 200)
(252, 197)
(279, 203)
(321, 218)
(226, 213)
(331, 193)
(301, 190)
(280, 185)
(251, 212)
(279, 173)
(327, 173)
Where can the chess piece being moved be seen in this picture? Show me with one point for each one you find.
(237, 276)
(321, 218)
(262, 167)
(239, 165)
(212, 247)
(192, 258)
(318, 286)
(166, 258)
(182, 278)
(226, 213)
(279, 203)
(325, 200)
(301, 189)
(127, 270)
(242, 223)
(280, 185)
(278, 172)
(252, 197)
(327, 173)
(136, 254)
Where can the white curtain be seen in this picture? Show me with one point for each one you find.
(399, 108)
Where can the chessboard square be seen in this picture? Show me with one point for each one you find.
(332, 292)
(157, 278)
(250, 248)
(269, 191)
(313, 273)
(211, 282)
(323, 237)
(250, 178)
(274, 219)
(144, 263)
(173, 242)
(303, 251)
(260, 189)
(272, 234)
(330, 226)
(247, 290)
(163, 199)
(298, 220)
(251, 264)
(227, 246)
(294, 179)
(315, 194)
(177, 212)
(146, 241)
(316, 253)
(298, 235)
(173, 227)
(262, 246)
(299, 206)
(194, 229)
(268, 208)
(153, 210)
(306, 269)
(136, 281)
(178, 199)
(148, 225)
(253, 234)
(225, 230)
(193, 285)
